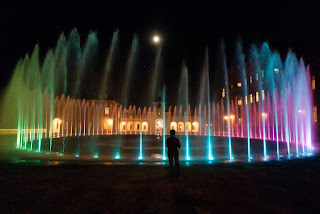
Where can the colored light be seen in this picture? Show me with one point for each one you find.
(117, 156)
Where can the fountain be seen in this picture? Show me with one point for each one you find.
(48, 110)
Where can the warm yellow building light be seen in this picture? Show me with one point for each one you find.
(231, 117)
(264, 115)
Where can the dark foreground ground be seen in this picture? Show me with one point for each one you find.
(270, 187)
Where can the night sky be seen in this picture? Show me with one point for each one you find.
(187, 28)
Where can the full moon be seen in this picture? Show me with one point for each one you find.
(156, 39)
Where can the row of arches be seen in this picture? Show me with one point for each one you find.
(134, 126)
(144, 126)
(182, 127)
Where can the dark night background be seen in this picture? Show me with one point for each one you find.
(187, 28)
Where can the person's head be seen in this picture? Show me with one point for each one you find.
(172, 132)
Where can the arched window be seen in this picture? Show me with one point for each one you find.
(130, 126)
(144, 126)
(188, 126)
(173, 126)
(123, 126)
(195, 127)
(137, 126)
(56, 125)
(180, 127)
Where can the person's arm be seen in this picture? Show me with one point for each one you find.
(179, 145)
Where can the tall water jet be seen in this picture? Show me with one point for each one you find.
(140, 139)
(48, 83)
(86, 62)
(164, 123)
(205, 97)
(105, 88)
(288, 75)
(73, 62)
(126, 89)
(184, 98)
(60, 73)
(308, 110)
(35, 66)
(155, 83)
(26, 99)
(259, 75)
(17, 77)
(224, 69)
(272, 71)
(241, 62)
(60, 68)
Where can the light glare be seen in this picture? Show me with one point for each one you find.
(156, 39)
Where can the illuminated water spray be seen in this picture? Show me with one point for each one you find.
(261, 95)
(308, 112)
(276, 122)
(224, 68)
(210, 146)
(184, 89)
(106, 80)
(164, 123)
(241, 63)
(140, 146)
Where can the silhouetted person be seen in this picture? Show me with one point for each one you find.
(173, 144)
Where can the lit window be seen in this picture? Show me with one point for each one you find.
(262, 94)
(239, 102)
(257, 76)
(106, 111)
(276, 70)
(262, 73)
(250, 79)
(251, 99)
(105, 125)
(223, 93)
(231, 86)
(257, 96)
(313, 82)
(246, 99)
(240, 120)
(239, 84)
(315, 116)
